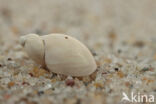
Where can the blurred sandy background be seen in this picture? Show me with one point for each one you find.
(120, 33)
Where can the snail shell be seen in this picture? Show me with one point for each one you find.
(60, 53)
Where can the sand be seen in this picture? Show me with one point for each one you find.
(121, 35)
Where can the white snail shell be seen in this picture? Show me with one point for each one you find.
(60, 53)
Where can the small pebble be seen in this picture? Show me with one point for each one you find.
(70, 82)
(25, 83)
(0, 65)
(139, 44)
(104, 72)
(53, 88)
(9, 59)
(120, 74)
(53, 75)
(31, 74)
(116, 69)
(40, 93)
(145, 69)
(10, 84)
(99, 85)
